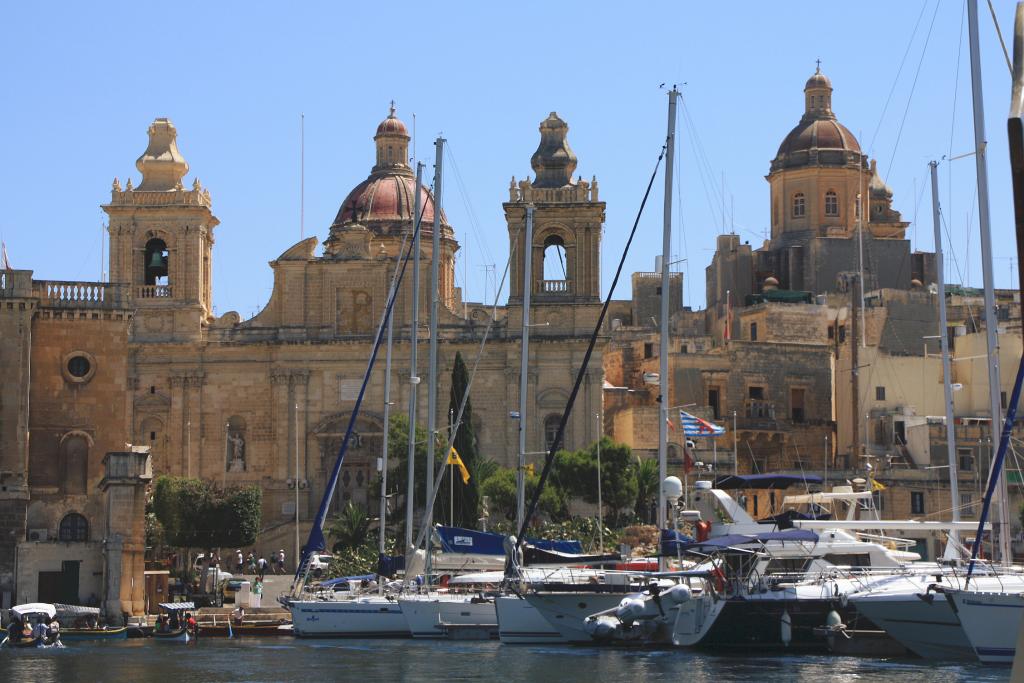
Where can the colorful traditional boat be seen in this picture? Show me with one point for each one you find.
(94, 633)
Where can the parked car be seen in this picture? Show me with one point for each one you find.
(318, 564)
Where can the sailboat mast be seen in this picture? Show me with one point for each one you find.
(666, 251)
(524, 363)
(1002, 525)
(414, 380)
(947, 375)
(387, 430)
(435, 260)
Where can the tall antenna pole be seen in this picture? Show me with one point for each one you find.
(1002, 525)
(435, 300)
(523, 365)
(947, 373)
(666, 249)
(387, 430)
(302, 176)
(298, 549)
(414, 380)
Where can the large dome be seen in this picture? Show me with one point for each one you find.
(819, 139)
(386, 197)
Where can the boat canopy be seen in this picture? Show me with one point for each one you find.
(64, 611)
(22, 611)
(673, 542)
(764, 481)
(345, 579)
(457, 540)
(177, 606)
(731, 540)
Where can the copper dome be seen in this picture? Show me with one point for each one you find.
(386, 197)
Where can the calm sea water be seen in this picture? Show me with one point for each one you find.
(319, 661)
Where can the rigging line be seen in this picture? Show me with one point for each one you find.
(457, 423)
(471, 213)
(702, 173)
(913, 87)
(556, 443)
(999, 33)
(704, 162)
(952, 123)
(885, 108)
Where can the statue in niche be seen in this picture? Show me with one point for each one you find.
(236, 452)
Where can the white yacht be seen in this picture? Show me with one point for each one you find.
(361, 616)
(991, 621)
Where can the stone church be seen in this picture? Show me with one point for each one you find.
(143, 360)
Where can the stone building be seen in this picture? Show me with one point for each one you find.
(143, 359)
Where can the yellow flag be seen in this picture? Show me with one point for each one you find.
(529, 469)
(877, 485)
(454, 459)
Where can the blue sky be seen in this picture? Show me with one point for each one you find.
(83, 83)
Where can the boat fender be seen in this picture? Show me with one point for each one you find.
(703, 530)
(833, 620)
(630, 609)
(600, 629)
(677, 594)
(787, 628)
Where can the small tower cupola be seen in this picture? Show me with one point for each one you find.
(818, 96)
(392, 140)
(162, 165)
(554, 161)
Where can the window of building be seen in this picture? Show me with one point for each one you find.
(966, 459)
(799, 205)
(842, 334)
(917, 502)
(73, 528)
(1002, 399)
(156, 263)
(554, 258)
(683, 348)
(756, 393)
(551, 423)
(831, 203)
(715, 402)
(753, 331)
(79, 367)
(831, 332)
(967, 504)
(857, 206)
(879, 393)
(649, 350)
(796, 405)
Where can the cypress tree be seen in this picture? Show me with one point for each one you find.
(467, 496)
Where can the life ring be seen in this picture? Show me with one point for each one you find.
(703, 530)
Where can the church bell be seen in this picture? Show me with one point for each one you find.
(156, 260)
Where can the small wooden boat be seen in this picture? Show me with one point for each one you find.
(223, 631)
(94, 633)
(179, 636)
(22, 642)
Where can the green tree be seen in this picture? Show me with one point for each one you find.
(577, 470)
(350, 529)
(500, 488)
(466, 496)
(195, 514)
(647, 484)
(398, 458)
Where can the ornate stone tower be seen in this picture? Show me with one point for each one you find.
(568, 221)
(161, 242)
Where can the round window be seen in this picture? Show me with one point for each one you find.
(79, 366)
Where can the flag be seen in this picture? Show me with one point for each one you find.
(529, 469)
(695, 426)
(877, 485)
(671, 425)
(5, 263)
(454, 459)
(687, 461)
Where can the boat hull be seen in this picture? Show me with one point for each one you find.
(566, 612)
(929, 629)
(70, 634)
(991, 622)
(519, 623)
(361, 618)
(179, 636)
(426, 616)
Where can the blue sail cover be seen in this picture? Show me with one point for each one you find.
(457, 540)
(730, 540)
(673, 542)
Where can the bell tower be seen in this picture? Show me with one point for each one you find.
(161, 242)
(567, 226)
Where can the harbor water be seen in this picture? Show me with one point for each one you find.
(286, 659)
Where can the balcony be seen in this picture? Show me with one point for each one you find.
(65, 294)
(556, 287)
(154, 292)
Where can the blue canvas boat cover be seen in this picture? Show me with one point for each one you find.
(764, 481)
(731, 540)
(457, 540)
(673, 542)
(345, 579)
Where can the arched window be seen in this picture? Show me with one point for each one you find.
(156, 263)
(831, 203)
(551, 423)
(73, 528)
(799, 205)
(857, 206)
(554, 259)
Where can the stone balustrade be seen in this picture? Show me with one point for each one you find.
(554, 286)
(154, 292)
(67, 294)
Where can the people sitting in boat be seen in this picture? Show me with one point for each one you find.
(14, 630)
(26, 631)
(161, 624)
(52, 630)
(174, 621)
(190, 623)
(39, 632)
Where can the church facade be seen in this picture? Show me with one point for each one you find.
(143, 359)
